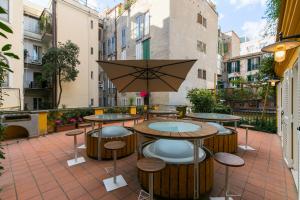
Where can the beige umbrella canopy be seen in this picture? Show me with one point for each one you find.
(147, 75)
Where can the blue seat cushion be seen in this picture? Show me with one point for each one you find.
(222, 130)
(173, 151)
(115, 131)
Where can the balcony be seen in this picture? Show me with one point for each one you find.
(37, 85)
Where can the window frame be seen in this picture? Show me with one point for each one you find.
(7, 12)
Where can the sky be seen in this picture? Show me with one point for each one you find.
(245, 17)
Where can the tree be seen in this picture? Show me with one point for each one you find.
(5, 53)
(61, 62)
(202, 100)
(272, 13)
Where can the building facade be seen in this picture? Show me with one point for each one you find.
(152, 29)
(13, 86)
(33, 35)
(37, 92)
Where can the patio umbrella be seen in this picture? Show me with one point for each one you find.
(147, 75)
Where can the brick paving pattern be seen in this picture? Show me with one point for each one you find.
(37, 169)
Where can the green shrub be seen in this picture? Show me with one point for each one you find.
(202, 100)
(221, 108)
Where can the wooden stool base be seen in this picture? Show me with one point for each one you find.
(92, 146)
(223, 143)
(177, 182)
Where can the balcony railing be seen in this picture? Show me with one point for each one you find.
(33, 60)
(37, 85)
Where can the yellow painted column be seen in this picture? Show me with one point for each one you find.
(43, 122)
(132, 110)
(99, 111)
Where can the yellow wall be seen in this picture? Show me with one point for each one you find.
(289, 24)
(43, 123)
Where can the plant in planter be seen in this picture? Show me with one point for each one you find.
(202, 100)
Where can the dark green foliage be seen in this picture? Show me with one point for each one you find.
(61, 62)
(116, 110)
(272, 13)
(221, 108)
(202, 100)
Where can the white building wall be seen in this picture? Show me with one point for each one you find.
(184, 34)
(14, 98)
(74, 23)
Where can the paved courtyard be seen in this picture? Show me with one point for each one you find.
(37, 169)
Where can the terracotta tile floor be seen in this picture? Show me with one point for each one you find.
(37, 169)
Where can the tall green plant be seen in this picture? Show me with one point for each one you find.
(272, 13)
(202, 100)
(5, 54)
(62, 62)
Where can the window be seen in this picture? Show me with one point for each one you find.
(92, 50)
(139, 101)
(31, 24)
(233, 67)
(104, 48)
(225, 47)
(124, 101)
(138, 51)
(146, 49)
(139, 27)
(232, 79)
(204, 22)
(147, 24)
(5, 5)
(123, 54)
(108, 47)
(201, 46)
(113, 45)
(202, 74)
(6, 79)
(199, 73)
(37, 102)
(124, 37)
(92, 75)
(36, 54)
(92, 101)
(199, 18)
(253, 63)
(92, 24)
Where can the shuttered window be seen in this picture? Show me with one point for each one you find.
(146, 49)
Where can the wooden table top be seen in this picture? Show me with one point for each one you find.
(111, 117)
(114, 145)
(228, 159)
(203, 131)
(151, 165)
(74, 132)
(246, 126)
(214, 117)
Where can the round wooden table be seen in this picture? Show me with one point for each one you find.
(108, 118)
(162, 113)
(178, 130)
(215, 117)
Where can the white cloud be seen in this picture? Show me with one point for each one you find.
(221, 16)
(254, 29)
(242, 3)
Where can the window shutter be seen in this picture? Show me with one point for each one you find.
(249, 65)
(146, 49)
(238, 66)
(229, 67)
